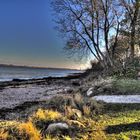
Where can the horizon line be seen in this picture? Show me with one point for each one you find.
(41, 67)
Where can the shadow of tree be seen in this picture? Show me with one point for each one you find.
(115, 108)
(116, 129)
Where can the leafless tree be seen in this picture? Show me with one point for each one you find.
(89, 25)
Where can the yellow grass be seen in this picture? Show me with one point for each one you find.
(88, 128)
(46, 115)
(3, 135)
(29, 129)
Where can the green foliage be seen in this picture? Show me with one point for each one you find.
(131, 73)
(130, 70)
(131, 86)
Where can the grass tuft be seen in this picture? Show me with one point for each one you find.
(29, 130)
(46, 115)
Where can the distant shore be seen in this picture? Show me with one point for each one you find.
(36, 67)
(21, 73)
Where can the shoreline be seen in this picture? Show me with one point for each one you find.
(39, 80)
(19, 95)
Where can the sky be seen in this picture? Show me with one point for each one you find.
(27, 36)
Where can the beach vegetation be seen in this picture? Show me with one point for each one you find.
(110, 123)
(127, 85)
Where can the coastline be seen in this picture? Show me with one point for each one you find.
(38, 80)
(39, 102)
(19, 95)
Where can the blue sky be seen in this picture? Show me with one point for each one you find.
(27, 36)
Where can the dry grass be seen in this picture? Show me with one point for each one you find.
(86, 110)
(78, 98)
(3, 135)
(29, 130)
(59, 102)
(46, 115)
(84, 120)
(72, 113)
(84, 128)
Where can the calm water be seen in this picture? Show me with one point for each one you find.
(10, 73)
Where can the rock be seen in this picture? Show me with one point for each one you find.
(56, 128)
(75, 82)
(17, 80)
(90, 92)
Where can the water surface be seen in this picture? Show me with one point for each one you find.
(8, 73)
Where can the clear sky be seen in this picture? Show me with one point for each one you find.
(27, 36)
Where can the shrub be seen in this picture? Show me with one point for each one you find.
(130, 70)
(127, 86)
(59, 103)
(88, 106)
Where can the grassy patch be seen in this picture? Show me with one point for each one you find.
(112, 109)
(114, 122)
(127, 85)
(121, 126)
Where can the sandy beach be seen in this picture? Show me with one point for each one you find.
(16, 95)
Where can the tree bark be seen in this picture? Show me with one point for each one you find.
(133, 29)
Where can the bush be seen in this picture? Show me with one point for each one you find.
(88, 106)
(130, 70)
(129, 86)
(79, 102)
(59, 103)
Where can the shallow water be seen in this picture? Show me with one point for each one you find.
(8, 73)
(118, 98)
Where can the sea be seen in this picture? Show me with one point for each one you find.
(8, 73)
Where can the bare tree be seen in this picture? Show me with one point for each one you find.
(87, 25)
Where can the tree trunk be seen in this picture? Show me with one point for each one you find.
(133, 29)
